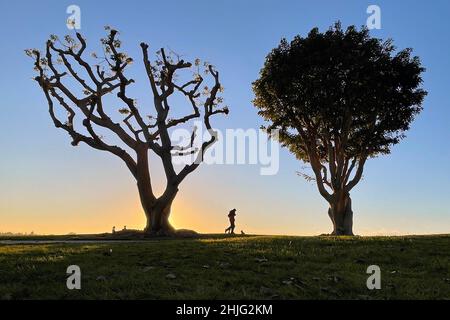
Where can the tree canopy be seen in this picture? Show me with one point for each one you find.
(339, 92)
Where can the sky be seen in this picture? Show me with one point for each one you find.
(49, 187)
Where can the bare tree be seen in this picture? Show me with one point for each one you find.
(140, 135)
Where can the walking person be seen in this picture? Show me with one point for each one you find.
(231, 217)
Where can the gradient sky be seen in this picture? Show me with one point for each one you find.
(48, 186)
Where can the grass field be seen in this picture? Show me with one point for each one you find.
(220, 267)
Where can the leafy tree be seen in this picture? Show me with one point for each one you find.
(63, 79)
(339, 98)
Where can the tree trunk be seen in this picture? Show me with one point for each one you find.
(341, 215)
(157, 211)
(158, 219)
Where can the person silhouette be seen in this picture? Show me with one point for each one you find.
(114, 229)
(231, 216)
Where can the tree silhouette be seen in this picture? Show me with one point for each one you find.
(339, 98)
(138, 135)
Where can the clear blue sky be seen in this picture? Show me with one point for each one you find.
(48, 186)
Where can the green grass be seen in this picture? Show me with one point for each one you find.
(252, 267)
